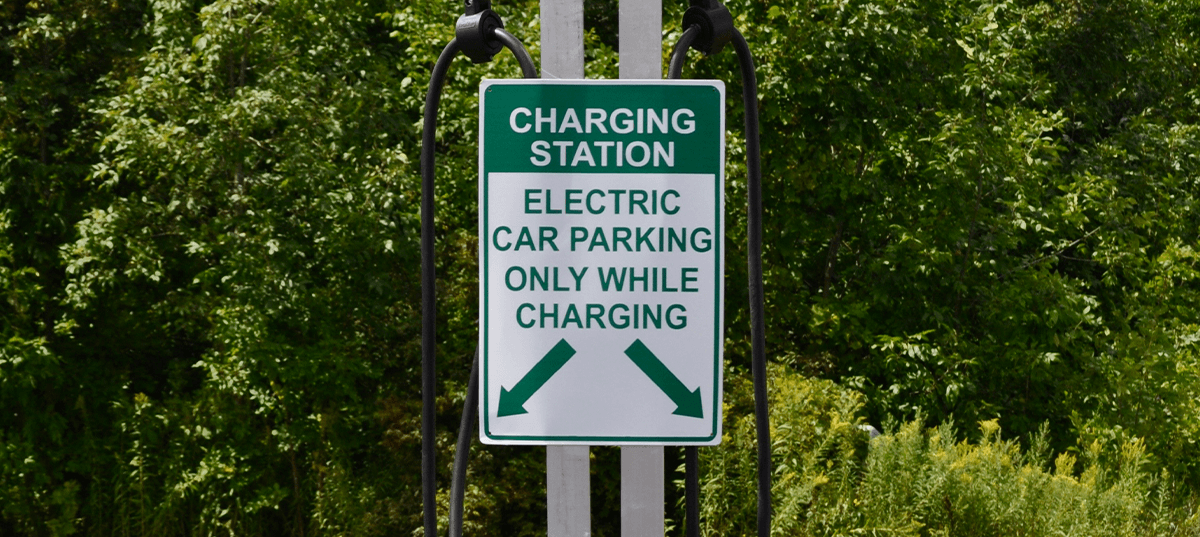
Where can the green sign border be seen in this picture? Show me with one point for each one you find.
(718, 256)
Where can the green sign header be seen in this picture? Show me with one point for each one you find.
(617, 128)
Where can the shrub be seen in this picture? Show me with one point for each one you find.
(830, 479)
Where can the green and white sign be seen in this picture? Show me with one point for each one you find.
(601, 262)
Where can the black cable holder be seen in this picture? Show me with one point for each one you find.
(708, 28)
(715, 23)
(475, 31)
(480, 35)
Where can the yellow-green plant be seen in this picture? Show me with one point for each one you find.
(830, 478)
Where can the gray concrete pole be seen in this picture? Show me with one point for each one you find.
(642, 487)
(568, 479)
(640, 26)
(568, 492)
(642, 479)
(562, 38)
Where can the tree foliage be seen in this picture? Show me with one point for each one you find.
(986, 210)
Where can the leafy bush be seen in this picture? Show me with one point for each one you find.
(831, 479)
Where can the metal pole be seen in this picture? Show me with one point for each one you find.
(568, 492)
(562, 38)
(639, 23)
(568, 479)
(642, 480)
(642, 486)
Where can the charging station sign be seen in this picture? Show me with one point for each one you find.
(601, 265)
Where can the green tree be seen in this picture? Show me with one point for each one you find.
(209, 308)
(983, 209)
(54, 57)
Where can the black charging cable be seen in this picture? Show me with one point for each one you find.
(480, 35)
(462, 452)
(709, 27)
(691, 456)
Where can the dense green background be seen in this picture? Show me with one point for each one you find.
(976, 212)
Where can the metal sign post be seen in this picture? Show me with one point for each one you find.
(642, 472)
(568, 476)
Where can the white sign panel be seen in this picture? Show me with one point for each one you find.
(601, 261)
